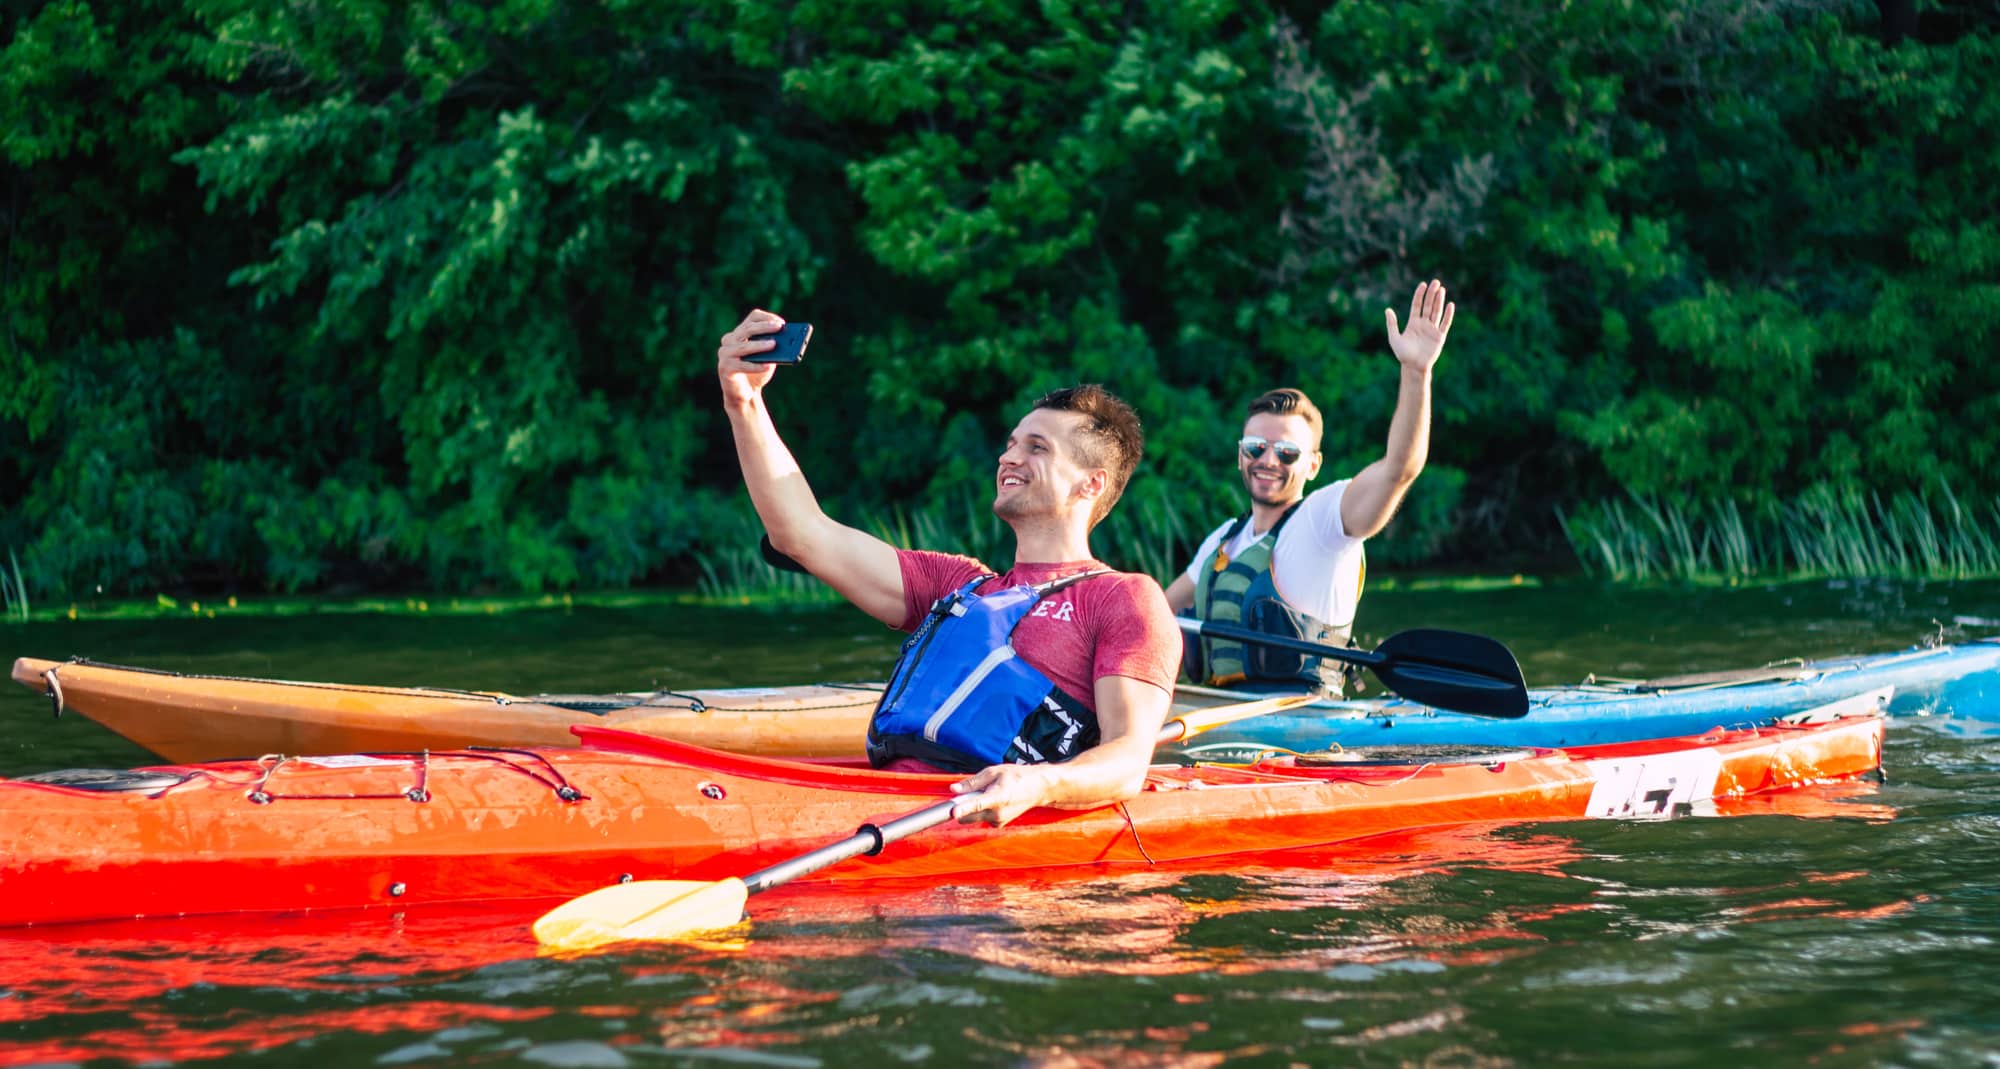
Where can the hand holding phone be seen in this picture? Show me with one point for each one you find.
(791, 345)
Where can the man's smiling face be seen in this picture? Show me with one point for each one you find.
(1039, 472)
(1270, 480)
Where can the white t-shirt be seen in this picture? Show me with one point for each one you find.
(1316, 565)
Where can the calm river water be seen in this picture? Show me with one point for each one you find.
(1857, 926)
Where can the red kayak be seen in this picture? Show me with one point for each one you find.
(348, 831)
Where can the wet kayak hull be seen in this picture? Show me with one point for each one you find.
(352, 831)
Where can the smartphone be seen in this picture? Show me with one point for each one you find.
(791, 339)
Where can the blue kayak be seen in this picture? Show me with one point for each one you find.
(1961, 681)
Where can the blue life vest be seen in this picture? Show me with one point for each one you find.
(961, 699)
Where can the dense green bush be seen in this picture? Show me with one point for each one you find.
(388, 294)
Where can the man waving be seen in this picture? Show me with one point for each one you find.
(1293, 564)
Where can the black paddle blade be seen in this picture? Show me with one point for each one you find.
(1453, 670)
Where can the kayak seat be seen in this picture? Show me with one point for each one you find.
(106, 779)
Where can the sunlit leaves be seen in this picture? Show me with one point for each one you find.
(369, 291)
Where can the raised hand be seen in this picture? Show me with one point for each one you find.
(1417, 348)
(740, 378)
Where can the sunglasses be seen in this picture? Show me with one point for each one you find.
(1287, 453)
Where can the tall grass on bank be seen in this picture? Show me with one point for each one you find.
(1825, 532)
(962, 525)
(13, 592)
(738, 574)
(1146, 533)
(1143, 534)
(733, 568)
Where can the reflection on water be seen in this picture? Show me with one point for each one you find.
(1845, 925)
(1343, 943)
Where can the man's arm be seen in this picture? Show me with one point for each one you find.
(1180, 593)
(1372, 495)
(861, 567)
(1129, 714)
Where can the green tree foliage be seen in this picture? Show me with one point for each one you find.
(395, 293)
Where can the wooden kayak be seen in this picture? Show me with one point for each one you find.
(187, 718)
(514, 825)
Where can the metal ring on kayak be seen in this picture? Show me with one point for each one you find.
(106, 779)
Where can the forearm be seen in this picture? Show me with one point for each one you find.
(1129, 714)
(784, 501)
(1106, 773)
(1410, 427)
(861, 567)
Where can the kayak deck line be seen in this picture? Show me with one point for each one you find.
(1801, 671)
(662, 699)
(193, 718)
(49, 678)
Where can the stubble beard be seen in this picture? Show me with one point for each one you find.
(1285, 494)
(1013, 508)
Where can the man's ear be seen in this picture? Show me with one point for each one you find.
(1093, 484)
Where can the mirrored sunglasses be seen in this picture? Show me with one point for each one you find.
(1287, 453)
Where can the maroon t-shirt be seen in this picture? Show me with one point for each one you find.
(1109, 625)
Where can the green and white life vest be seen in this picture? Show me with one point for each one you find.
(1242, 593)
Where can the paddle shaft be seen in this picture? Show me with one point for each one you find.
(1364, 658)
(868, 839)
(871, 838)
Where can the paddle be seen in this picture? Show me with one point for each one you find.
(1453, 670)
(668, 909)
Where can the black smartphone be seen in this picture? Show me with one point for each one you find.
(791, 339)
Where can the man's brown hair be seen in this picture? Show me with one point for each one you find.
(1286, 401)
(1109, 437)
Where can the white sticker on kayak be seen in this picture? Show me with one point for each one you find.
(1654, 786)
(747, 692)
(350, 760)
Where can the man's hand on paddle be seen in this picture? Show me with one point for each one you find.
(1006, 792)
(1129, 711)
(741, 379)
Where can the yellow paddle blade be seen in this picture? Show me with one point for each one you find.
(646, 909)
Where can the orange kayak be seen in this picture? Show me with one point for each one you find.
(517, 825)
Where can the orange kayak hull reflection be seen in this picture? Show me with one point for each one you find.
(389, 831)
